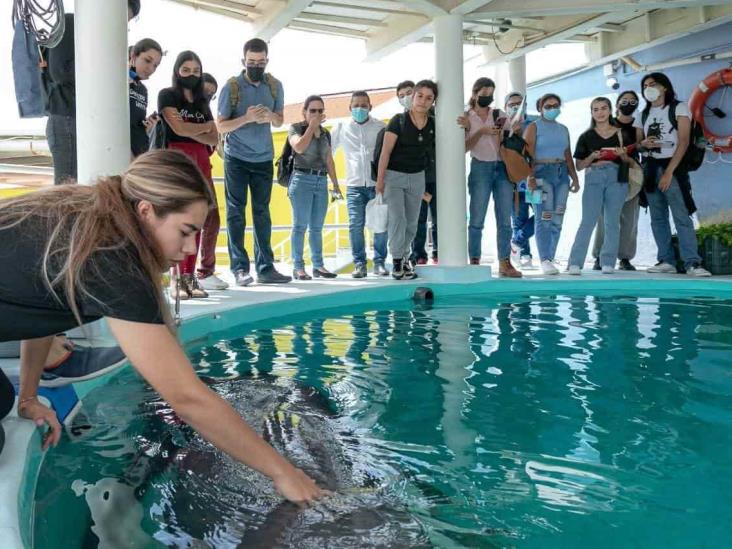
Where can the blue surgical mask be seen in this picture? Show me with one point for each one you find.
(133, 74)
(360, 114)
(511, 111)
(551, 114)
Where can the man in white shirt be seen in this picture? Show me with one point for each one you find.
(357, 138)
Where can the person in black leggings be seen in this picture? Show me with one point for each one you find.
(7, 399)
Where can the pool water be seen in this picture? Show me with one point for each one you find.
(527, 421)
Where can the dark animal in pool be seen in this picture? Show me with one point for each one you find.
(206, 497)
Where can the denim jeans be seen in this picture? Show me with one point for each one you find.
(602, 194)
(488, 178)
(660, 203)
(628, 231)
(549, 214)
(309, 198)
(419, 250)
(356, 200)
(523, 224)
(61, 137)
(240, 178)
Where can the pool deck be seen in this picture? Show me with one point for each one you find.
(21, 458)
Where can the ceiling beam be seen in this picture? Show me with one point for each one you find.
(280, 14)
(341, 19)
(425, 7)
(241, 16)
(467, 6)
(228, 5)
(373, 9)
(296, 24)
(511, 8)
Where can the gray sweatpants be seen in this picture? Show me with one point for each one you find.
(403, 193)
(628, 231)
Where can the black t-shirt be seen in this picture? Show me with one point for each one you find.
(189, 112)
(59, 78)
(591, 141)
(414, 147)
(29, 310)
(138, 112)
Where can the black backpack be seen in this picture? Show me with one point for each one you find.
(694, 155)
(286, 161)
(380, 144)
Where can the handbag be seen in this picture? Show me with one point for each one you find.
(635, 175)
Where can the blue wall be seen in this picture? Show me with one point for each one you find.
(712, 183)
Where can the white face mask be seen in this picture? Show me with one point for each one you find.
(651, 94)
(406, 102)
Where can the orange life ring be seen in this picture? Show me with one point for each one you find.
(716, 80)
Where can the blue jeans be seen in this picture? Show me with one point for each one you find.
(660, 203)
(486, 178)
(356, 200)
(602, 194)
(309, 197)
(523, 224)
(240, 177)
(61, 137)
(549, 214)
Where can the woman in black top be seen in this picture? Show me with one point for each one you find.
(73, 254)
(598, 151)
(626, 106)
(189, 127)
(409, 141)
(144, 60)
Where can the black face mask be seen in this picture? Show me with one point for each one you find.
(189, 82)
(627, 110)
(485, 100)
(255, 74)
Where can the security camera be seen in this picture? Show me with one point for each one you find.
(612, 83)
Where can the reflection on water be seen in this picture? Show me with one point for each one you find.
(544, 421)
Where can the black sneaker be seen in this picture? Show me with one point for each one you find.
(243, 278)
(596, 265)
(409, 273)
(359, 271)
(380, 270)
(626, 265)
(398, 270)
(271, 276)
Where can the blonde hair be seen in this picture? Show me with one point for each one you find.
(83, 220)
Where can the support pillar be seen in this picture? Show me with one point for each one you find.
(517, 75)
(102, 111)
(452, 211)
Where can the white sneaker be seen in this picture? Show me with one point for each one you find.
(662, 267)
(607, 270)
(574, 270)
(525, 262)
(548, 268)
(212, 282)
(697, 270)
(515, 248)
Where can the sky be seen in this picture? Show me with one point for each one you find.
(307, 63)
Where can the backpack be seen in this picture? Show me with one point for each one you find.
(515, 155)
(694, 155)
(233, 83)
(380, 145)
(286, 161)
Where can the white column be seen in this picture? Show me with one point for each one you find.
(451, 186)
(517, 75)
(102, 104)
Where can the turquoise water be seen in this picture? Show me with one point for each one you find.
(528, 421)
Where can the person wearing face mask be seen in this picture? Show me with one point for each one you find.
(600, 153)
(625, 108)
(408, 142)
(664, 131)
(210, 87)
(308, 188)
(145, 56)
(357, 139)
(249, 105)
(405, 93)
(522, 221)
(189, 127)
(552, 168)
(483, 133)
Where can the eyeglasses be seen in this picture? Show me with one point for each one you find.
(316, 111)
(626, 102)
(259, 65)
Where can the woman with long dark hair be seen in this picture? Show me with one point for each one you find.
(664, 130)
(73, 254)
(599, 152)
(308, 188)
(190, 128)
(145, 56)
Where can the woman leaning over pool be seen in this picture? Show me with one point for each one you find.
(73, 254)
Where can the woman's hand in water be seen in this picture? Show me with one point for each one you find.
(42, 415)
(297, 487)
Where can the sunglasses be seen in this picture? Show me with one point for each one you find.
(316, 111)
